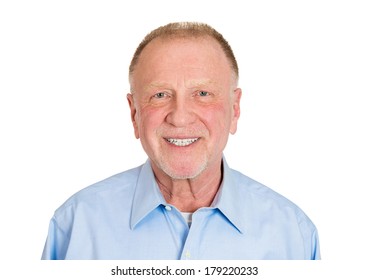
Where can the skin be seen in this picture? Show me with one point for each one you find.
(184, 88)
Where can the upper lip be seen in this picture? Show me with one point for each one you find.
(181, 137)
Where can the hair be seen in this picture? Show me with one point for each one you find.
(186, 30)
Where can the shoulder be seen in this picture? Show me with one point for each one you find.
(257, 189)
(267, 200)
(118, 186)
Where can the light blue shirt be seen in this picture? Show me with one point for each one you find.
(126, 217)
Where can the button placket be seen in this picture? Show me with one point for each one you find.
(190, 248)
(178, 228)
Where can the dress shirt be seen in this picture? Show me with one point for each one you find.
(126, 217)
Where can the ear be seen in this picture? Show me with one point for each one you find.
(235, 99)
(133, 114)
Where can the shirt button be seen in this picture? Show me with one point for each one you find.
(187, 254)
(168, 208)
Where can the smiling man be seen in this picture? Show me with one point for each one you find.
(184, 202)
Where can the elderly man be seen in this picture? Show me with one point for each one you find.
(184, 202)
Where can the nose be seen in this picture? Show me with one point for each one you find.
(181, 112)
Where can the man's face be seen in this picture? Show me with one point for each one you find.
(184, 104)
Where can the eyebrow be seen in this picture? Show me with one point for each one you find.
(156, 85)
(201, 82)
(190, 84)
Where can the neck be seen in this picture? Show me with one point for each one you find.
(188, 195)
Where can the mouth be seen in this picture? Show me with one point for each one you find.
(181, 142)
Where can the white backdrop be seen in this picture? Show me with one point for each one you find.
(65, 122)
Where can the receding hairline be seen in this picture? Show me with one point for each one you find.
(185, 30)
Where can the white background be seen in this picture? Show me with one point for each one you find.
(65, 121)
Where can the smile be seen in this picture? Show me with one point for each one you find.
(181, 142)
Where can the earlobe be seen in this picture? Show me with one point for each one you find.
(133, 114)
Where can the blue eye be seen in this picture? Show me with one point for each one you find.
(203, 93)
(160, 95)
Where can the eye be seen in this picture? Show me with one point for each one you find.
(203, 93)
(160, 95)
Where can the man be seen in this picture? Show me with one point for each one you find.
(184, 202)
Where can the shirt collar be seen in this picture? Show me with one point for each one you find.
(148, 197)
(229, 199)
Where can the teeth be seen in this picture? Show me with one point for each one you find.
(181, 142)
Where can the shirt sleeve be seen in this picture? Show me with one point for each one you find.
(56, 243)
(316, 254)
(310, 238)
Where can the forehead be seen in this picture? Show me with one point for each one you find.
(200, 57)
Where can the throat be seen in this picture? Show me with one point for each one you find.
(186, 200)
(188, 195)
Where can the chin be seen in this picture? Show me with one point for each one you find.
(181, 173)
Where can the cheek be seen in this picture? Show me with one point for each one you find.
(150, 120)
(217, 118)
